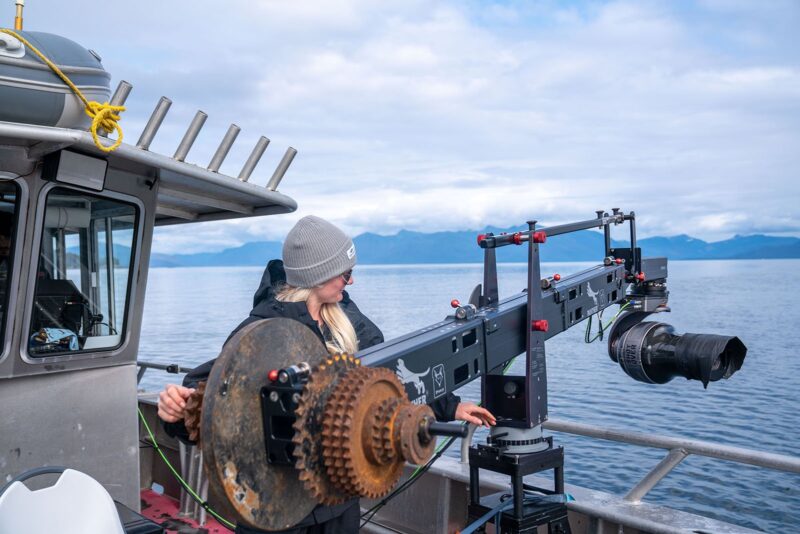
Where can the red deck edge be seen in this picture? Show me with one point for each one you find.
(164, 511)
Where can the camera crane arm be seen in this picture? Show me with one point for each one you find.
(476, 340)
(487, 333)
(484, 335)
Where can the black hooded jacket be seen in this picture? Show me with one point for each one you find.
(266, 306)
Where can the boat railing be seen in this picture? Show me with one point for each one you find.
(678, 449)
(171, 368)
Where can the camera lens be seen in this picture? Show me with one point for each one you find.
(652, 352)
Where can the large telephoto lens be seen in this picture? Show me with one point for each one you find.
(652, 352)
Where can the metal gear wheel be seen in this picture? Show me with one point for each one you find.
(194, 411)
(369, 430)
(383, 450)
(308, 427)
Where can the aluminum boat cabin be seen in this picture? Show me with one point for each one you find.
(77, 228)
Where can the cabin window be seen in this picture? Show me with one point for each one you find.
(9, 206)
(83, 275)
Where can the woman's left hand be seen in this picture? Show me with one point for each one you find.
(472, 413)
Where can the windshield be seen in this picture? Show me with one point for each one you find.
(9, 195)
(83, 276)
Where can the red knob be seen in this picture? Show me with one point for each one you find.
(556, 277)
(640, 276)
(454, 303)
(619, 261)
(539, 325)
(539, 237)
(516, 238)
(273, 375)
(481, 237)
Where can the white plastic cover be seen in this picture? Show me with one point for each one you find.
(75, 504)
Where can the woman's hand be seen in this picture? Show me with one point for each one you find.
(472, 413)
(172, 402)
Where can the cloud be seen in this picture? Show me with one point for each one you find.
(447, 115)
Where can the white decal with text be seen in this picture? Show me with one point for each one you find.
(439, 384)
(407, 376)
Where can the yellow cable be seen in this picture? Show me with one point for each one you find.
(103, 115)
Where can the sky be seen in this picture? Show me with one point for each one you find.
(455, 115)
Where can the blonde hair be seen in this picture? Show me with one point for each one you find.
(343, 335)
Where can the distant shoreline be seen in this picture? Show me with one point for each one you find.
(460, 248)
(471, 264)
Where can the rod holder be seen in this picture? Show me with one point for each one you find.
(224, 148)
(253, 159)
(18, 17)
(283, 166)
(154, 123)
(117, 99)
(190, 136)
(121, 94)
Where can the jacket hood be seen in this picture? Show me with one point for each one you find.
(273, 277)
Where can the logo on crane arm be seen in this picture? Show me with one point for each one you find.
(439, 384)
(407, 376)
(595, 297)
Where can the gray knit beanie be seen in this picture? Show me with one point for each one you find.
(316, 251)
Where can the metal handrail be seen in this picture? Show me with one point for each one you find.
(780, 462)
(171, 368)
(679, 449)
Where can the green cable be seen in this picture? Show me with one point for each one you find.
(603, 328)
(185, 485)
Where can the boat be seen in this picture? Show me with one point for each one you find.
(79, 221)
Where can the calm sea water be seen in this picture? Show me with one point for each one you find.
(190, 312)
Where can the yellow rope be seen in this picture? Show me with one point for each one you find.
(103, 115)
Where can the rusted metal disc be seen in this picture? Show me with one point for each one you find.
(261, 495)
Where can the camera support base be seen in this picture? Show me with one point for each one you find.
(524, 517)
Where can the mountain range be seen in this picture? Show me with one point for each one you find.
(460, 247)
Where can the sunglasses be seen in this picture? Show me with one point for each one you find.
(347, 276)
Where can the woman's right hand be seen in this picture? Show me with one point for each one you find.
(172, 402)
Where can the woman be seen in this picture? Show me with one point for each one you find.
(309, 287)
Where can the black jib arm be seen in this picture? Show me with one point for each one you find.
(482, 337)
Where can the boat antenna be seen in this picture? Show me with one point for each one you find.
(18, 17)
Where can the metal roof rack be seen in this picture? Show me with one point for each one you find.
(186, 192)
